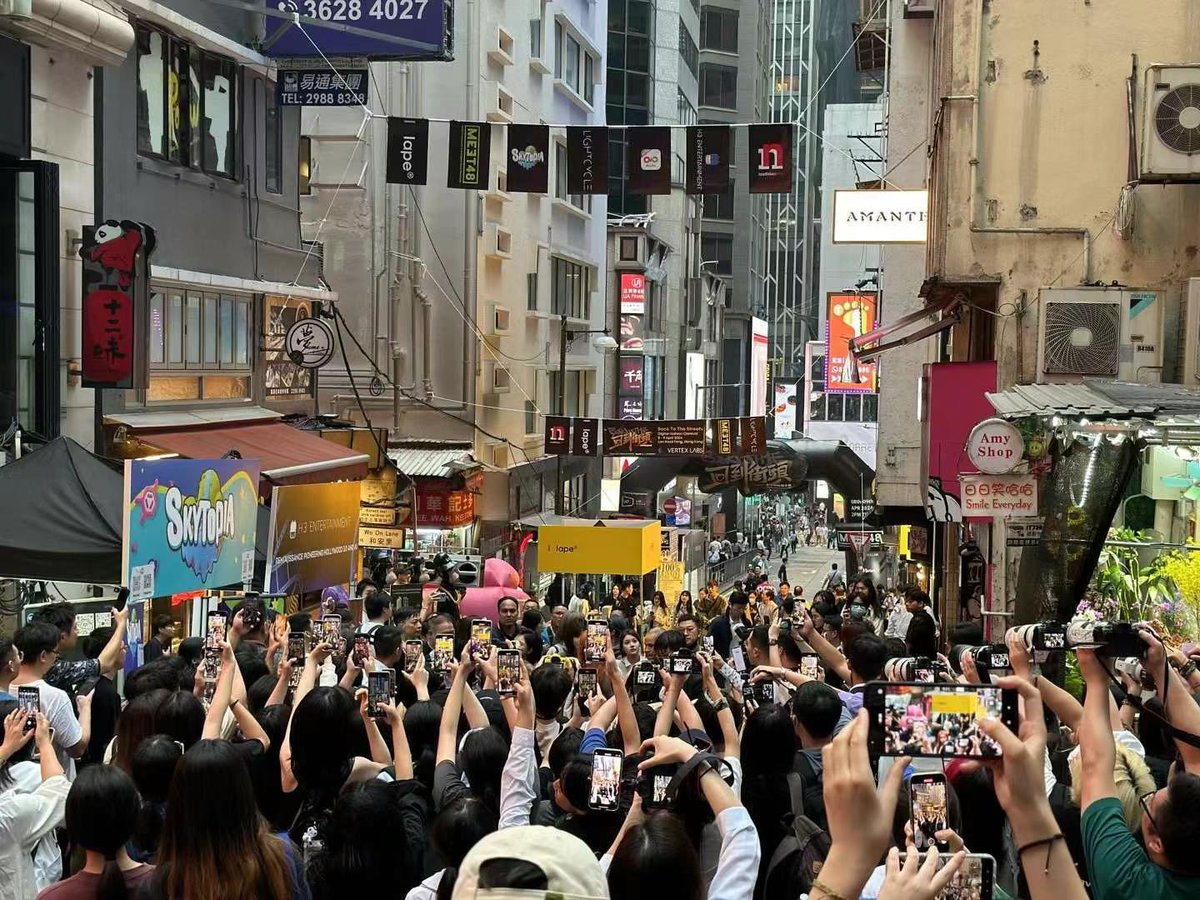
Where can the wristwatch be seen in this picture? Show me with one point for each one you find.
(773, 642)
(1188, 669)
(719, 704)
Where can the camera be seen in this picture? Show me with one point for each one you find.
(910, 668)
(988, 656)
(1040, 636)
(1112, 639)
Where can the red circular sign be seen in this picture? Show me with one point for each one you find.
(669, 506)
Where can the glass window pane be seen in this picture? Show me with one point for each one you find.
(177, 103)
(191, 330)
(638, 20)
(572, 63)
(225, 342)
(274, 140)
(175, 328)
(151, 97)
(219, 115)
(241, 333)
(637, 54)
(195, 132)
(210, 330)
(558, 50)
(156, 329)
(589, 77)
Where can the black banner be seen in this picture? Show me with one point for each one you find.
(587, 160)
(585, 437)
(408, 150)
(771, 161)
(648, 156)
(470, 156)
(779, 469)
(753, 431)
(528, 158)
(681, 437)
(725, 437)
(629, 438)
(558, 435)
(708, 154)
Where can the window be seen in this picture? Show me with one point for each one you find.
(687, 112)
(571, 286)
(219, 114)
(718, 86)
(687, 49)
(573, 64)
(579, 201)
(719, 206)
(305, 166)
(530, 417)
(183, 113)
(653, 388)
(719, 29)
(535, 38)
(274, 141)
(531, 292)
(152, 94)
(196, 330)
(638, 18)
(574, 491)
(717, 249)
(576, 402)
(589, 77)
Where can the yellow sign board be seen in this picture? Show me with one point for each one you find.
(377, 515)
(670, 578)
(388, 538)
(620, 547)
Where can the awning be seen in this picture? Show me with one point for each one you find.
(287, 455)
(433, 459)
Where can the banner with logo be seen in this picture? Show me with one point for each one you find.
(468, 164)
(771, 160)
(313, 542)
(846, 317)
(557, 435)
(407, 150)
(189, 525)
(753, 432)
(528, 155)
(784, 409)
(585, 437)
(708, 155)
(115, 315)
(283, 379)
(587, 160)
(649, 160)
(633, 293)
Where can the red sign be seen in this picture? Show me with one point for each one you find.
(114, 281)
(442, 507)
(848, 316)
(108, 334)
(633, 293)
(669, 506)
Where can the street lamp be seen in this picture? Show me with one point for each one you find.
(565, 336)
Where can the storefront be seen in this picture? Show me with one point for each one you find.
(438, 506)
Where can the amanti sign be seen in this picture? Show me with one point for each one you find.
(880, 217)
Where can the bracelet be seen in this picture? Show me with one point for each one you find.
(1047, 842)
(1188, 669)
(819, 885)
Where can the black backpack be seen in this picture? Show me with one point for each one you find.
(797, 860)
(812, 791)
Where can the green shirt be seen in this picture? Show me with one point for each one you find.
(1119, 867)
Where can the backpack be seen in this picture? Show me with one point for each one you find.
(812, 792)
(798, 857)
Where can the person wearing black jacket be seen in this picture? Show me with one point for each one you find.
(921, 636)
(721, 630)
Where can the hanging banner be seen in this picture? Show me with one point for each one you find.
(622, 439)
(848, 316)
(753, 433)
(771, 161)
(724, 432)
(633, 293)
(470, 156)
(648, 160)
(313, 542)
(632, 338)
(557, 435)
(378, 29)
(114, 305)
(528, 152)
(630, 407)
(585, 437)
(189, 524)
(784, 409)
(708, 154)
(587, 160)
(284, 379)
(407, 150)
(632, 369)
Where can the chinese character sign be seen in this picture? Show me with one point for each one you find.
(189, 524)
(114, 284)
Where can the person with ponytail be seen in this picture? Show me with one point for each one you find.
(102, 810)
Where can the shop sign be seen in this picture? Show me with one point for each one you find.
(114, 305)
(861, 508)
(856, 540)
(880, 217)
(754, 475)
(670, 577)
(995, 446)
(784, 409)
(284, 379)
(918, 541)
(189, 524)
(633, 293)
(442, 507)
(309, 343)
(724, 436)
(377, 29)
(322, 87)
(313, 543)
(998, 496)
(601, 548)
(630, 408)
(377, 515)
(637, 503)
(388, 538)
(848, 316)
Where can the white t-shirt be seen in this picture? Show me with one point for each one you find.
(60, 713)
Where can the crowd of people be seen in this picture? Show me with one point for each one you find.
(709, 747)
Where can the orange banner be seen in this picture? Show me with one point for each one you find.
(847, 316)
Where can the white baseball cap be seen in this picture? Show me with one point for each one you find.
(571, 869)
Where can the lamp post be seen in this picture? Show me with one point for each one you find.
(565, 336)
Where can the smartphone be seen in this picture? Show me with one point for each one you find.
(763, 692)
(443, 652)
(808, 665)
(122, 599)
(930, 811)
(597, 640)
(938, 720)
(362, 649)
(681, 663)
(508, 671)
(211, 663)
(412, 653)
(706, 644)
(252, 616)
(331, 630)
(218, 627)
(605, 792)
(29, 701)
(380, 686)
(481, 637)
(737, 658)
(297, 647)
(974, 880)
(587, 682)
(655, 787)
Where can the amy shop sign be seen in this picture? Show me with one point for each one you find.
(998, 496)
(995, 446)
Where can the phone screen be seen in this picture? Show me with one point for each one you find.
(808, 665)
(412, 653)
(331, 630)
(362, 648)
(706, 644)
(122, 599)
(217, 628)
(646, 676)
(443, 652)
(605, 792)
(939, 720)
(481, 637)
(508, 670)
(297, 646)
(587, 681)
(930, 814)
(681, 665)
(974, 880)
(380, 686)
(659, 781)
(738, 658)
(29, 701)
(597, 640)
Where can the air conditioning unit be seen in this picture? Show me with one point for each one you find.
(500, 456)
(1171, 124)
(501, 50)
(1100, 333)
(1189, 342)
(497, 241)
(919, 9)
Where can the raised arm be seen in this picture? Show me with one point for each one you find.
(379, 749)
(666, 712)
(626, 719)
(447, 748)
(1182, 711)
(830, 656)
(214, 719)
(729, 732)
(1096, 746)
(110, 656)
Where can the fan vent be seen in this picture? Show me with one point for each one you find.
(1082, 339)
(1177, 119)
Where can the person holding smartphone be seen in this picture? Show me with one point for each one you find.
(33, 797)
(38, 643)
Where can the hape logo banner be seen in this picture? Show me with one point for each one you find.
(189, 524)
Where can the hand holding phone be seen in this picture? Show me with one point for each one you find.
(930, 810)
(605, 793)
(29, 701)
(381, 686)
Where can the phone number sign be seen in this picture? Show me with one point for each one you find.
(379, 29)
(320, 87)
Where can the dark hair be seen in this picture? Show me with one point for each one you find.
(366, 851)
(321, 739)
(251, 662)
(60, 615)
(1151, 731)
(563, 749)
(388, 641)
(550, 685)
(94, 643)
(789, 649)
(866, 654)
(36, 638)
(162, 674)
(532, 619)
(966, 633)
(919, 597)
(181, 717)
(895, 647)
(422, 721)
(135, 724)
(738, 598)
(872, 591)
(572, 626)
(268, 790)
(760, 637)
(212, 819)
(458, 827)
(405, 612)
(154, 765)
(534, 645)
(668, 641)
(258, 693)
(163, 620)
(769, 741)
(481, 758)
(376, 604)
(656, 859)
(101, 812)
(514, 601)
(576, 780)
(685, 617)
(190, 650)
(818, 708)
(299, 622)
(1177, 824)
